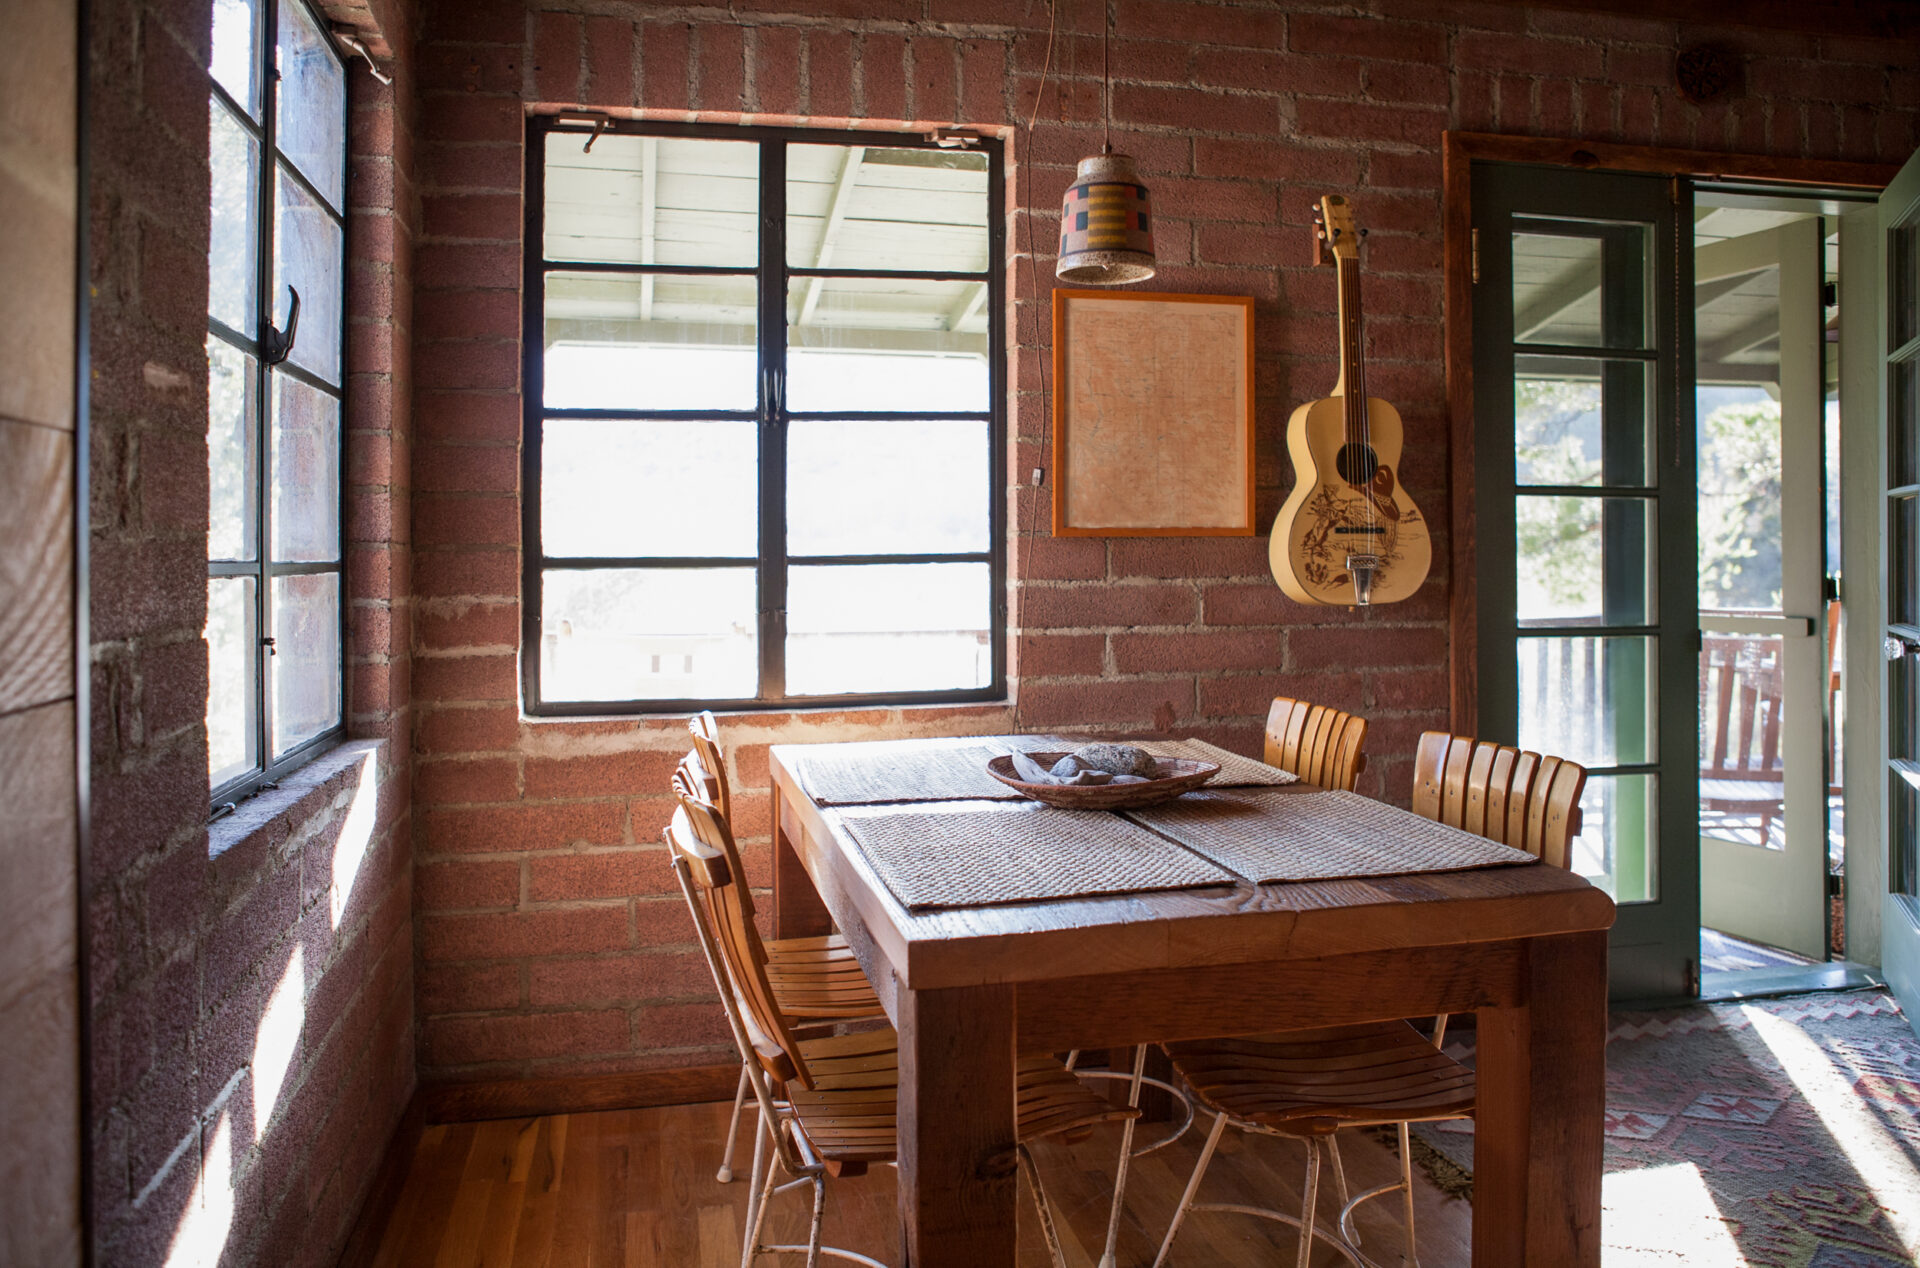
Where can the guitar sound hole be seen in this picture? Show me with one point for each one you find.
(1356, 464)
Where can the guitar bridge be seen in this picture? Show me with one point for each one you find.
(1362, 568)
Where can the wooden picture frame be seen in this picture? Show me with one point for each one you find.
(1152, 415)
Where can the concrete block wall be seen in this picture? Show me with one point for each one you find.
(252, 1005)
(550, 939)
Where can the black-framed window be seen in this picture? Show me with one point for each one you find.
(765, 427)
(276, 601)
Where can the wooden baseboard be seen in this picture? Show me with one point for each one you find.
(578, 1094)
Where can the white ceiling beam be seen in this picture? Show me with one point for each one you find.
(973, 298)
(649, 217)
(830, 231)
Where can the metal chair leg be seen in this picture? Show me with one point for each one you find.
(1047, 1230)
(1126, 1156)
(1193, 1184)
(725, 1174)
(1307, 1201)
(757, 1209)
(1340, 1177)
(819, 1217)
(1406, 1189)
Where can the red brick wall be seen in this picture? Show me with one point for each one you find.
(549, 940)
(252, 1012)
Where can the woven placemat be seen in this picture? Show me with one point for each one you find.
(1293, 835)
(982, 855)
(906, 770)
(1235, 771)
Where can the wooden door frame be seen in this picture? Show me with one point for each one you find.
(1461, 151)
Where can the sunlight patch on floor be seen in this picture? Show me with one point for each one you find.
(1664, 1215)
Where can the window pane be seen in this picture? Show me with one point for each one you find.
(306, 472)
(1738, 467)
(231, 255)
(232, 424)
(1589, 700)
(1618, 830)
(888, 488)
(1903, 707)
(306, 658)
(1579, 421)
(233, 645)
(889, 627)
(865, 207)
(649, 634)
(1904, 300)
(307, 255)
(1742, 774)
(1903, 422)
(875, 344)
(643, 343)
(649, 488)
(236, 51)
(310, 122)
(1557, 295)
(1584, 560)
(1903, 561)
(653, 200)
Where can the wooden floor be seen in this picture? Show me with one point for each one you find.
(637, 1187)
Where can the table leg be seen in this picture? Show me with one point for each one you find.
(958, 1163)
(797, 909)
(1538, 1134)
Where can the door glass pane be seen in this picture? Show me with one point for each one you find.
(1742, 774)
(649, 634)
(1903, 303)
(1739, 473)
(1581, 421)
(649, 488)
(306, 658)
(1903, 422)
(867, 207)
(863, 488)
(1589, 700)
(653, 200)
(1557, 292)
(311, 120)
(236, 51)
(877, 344)
(1903, 561)
(1584, 560)
(1903, 707)
(233, 746)
(1618, 831)
(306, 472)
(652, 342)
(231, 253)
(231, 427)
(889, 627)
(308, 255)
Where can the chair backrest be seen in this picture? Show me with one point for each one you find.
(706, 742)
(1318, 743)
(693, 778)
(1740, 695)
(699, 842)
(1529, 801)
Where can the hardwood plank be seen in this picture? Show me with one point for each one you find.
(540, 1196)
(957, 1159)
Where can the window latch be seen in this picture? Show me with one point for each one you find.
(271, 649)
(280, 344)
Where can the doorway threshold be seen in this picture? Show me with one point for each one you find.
(1835, 975)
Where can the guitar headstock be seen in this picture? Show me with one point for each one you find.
(1334, 229)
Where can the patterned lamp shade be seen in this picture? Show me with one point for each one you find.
(1106, 226)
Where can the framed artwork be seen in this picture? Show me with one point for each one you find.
(1152, 415)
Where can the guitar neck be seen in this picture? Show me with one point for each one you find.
(1353, 371)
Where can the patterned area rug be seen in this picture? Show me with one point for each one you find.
(1773, 1133)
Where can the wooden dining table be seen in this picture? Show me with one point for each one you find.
(1523, 948)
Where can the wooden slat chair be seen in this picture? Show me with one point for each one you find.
(829, 1104)
(1741, 694)
(1318, 743)
(816, 980)
(1309, 1084)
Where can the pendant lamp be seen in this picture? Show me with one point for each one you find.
(1106, 222)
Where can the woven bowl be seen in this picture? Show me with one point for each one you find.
(1187, 775)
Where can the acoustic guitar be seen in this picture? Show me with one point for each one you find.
(1347, 533)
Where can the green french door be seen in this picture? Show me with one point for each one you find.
(1899, 373)
(1587, 605)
